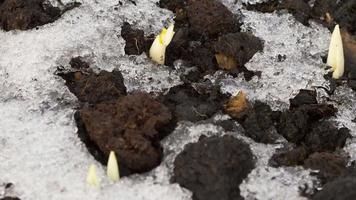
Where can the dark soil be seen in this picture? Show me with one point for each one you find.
(289, 156)
(300, 9)
(258, 120)
(130, 127)
(10, 198)
(214, 167)
(28, 14)
(349, 44)
(304, 97)
(339, 189)
(92, 88)
(317, 140)
(111, 120)
(210, 18)
(234, 46)
(260, 123)
(203, 27)
(330, 165)
(78, 63)
(194, 103)
(136, 42)
(327, 12)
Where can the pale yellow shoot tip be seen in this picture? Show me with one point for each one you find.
(92, 178)
(159, 45)
(336, 54)
(112, 167)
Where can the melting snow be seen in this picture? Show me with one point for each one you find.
(40, 152)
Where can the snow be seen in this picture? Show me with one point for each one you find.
(40, 152)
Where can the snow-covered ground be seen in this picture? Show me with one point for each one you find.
(40, 152)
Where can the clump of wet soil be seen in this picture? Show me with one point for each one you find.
(214, 167)
(194, 102)
(203, 27)
(300, 9)
(327, 12)
(93, 88)
(258, 119)
(10, 198)
(28, 14)
(317, 141)
(349, 44)
(136, 42)
(109, 119)
(341, 189)
(130, 127)
(210, 18)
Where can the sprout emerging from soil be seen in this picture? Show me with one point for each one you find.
(159, 45)
(113, 168)
(92, 178)
(336, 54)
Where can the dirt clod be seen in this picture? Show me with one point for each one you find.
(191, 104)
(136, 42)
(130, 127)
(304, 97)
(214, 167)
(340, 189)
(324, 136)
(210, 17)
(260, 124)
(289, 157)
(28, 14)
(316, 140)
(90, 87)
(240, 46)
(329, 165)
(300, 9)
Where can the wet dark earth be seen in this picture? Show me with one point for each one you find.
(23, 15)
(209, 38)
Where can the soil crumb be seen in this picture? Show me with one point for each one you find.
(340, 189)
(258, 119)
(28, 14)
(194, 103)
(136, 42)
(214, 167)
(318, 142)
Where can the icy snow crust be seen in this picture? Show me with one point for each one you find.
(40, 152)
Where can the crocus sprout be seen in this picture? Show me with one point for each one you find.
(92, 178)
(159, 45)
(112, 167)
(336, 54)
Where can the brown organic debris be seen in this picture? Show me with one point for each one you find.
(226, 62)
(238, 106)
